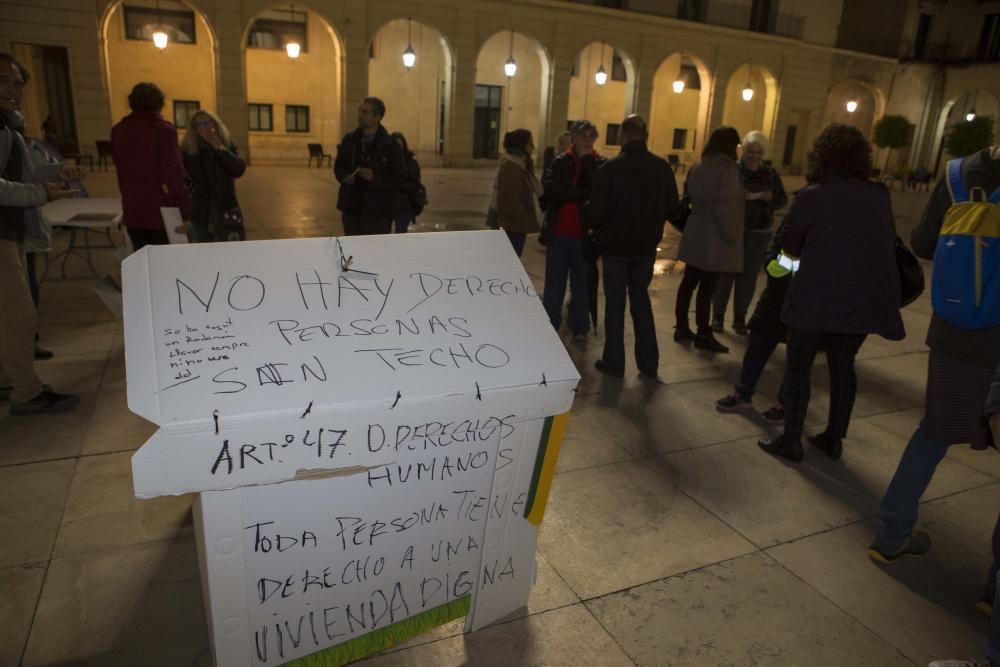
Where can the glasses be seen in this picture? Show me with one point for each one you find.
(204, 123)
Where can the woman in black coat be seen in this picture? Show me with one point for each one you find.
(212, 164)
(847, 285)
(410, 193)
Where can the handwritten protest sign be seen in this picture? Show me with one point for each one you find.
(407, 383)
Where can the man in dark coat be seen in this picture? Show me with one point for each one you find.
(633, 195)
(148, 160)
(370, 169)
(961, 367)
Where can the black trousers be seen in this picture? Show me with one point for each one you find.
(358, 225)
(631, 276)
(705, 282)
(841, 349)
(144, 237)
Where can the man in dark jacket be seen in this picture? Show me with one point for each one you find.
(370, 169)
(567, 184)
(960, 369)
(148, 160)
(633, 195)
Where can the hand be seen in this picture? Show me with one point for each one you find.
(183, 228)
(366, 174)
(767, 195)
(211, 135)
(69, 172)
(995, 427)
(56, 193)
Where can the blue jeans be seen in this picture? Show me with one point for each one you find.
(564, 256)
(898, 514)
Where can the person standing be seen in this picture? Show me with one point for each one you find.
(632, 196)
(960, 370)
(213, 163)
(712, 242)
(517, 190)
(840, 228)
(370, 170)
(567, 184)
(765, 194)
(148, 161)
(23, 186)
(411, 194)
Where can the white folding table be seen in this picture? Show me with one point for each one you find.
(97, 215)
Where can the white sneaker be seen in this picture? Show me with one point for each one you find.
(959, 663)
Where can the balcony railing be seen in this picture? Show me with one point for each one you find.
(723, 14)
(945, 52)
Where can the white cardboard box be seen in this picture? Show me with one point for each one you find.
(368, 422)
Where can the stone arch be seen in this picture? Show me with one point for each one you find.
(426, 90)
(869, 99)
(525, 97)
(760, 112)
(181, 70)
(688, 110)
(605, 105)
(314, 80)
(953, 111)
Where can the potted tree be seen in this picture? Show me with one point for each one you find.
(892, 132)
(970, 136)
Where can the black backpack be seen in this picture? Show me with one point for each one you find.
(418, 199)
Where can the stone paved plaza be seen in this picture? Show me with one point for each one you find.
(669, 539)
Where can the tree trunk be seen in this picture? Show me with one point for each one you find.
(885, 170)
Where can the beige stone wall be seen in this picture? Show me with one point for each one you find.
(602, 105)
(313, 80)
(671, 111)
(758, 113)
(522, 95)
(182, 71)
(412, 97)
(804, 71)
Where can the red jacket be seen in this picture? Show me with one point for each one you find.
(150, 172)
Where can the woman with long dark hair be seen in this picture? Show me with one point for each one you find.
(839, 238)
(713, 236)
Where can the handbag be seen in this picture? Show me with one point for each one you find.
(232, 218)
(684, 214)
(911, 274)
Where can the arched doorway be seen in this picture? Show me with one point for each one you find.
(751, 100)
(417, 98)
(854, 102)
(292, 102)
(512, 73)
(959, 109)
(185, 70)
(605, 104)
(679, 115)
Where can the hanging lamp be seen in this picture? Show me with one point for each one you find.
(293, 48)
(510, 67)
(971, 116)
(748, 89)
(601, 75)
(409, 56)
(160, 38)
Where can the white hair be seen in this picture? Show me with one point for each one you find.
(755, 137)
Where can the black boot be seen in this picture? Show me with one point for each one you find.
(683, 333)
(832, 447)
(706, 341)
(784, 447)
(740, 325)
(718, 322)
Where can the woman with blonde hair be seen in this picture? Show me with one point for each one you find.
(212, 163)
(764, 194)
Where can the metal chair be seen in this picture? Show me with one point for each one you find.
(316, 151)
(104, 154)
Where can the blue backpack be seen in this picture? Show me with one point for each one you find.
(965, 290)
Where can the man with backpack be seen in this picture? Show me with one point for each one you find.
(960, 231)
